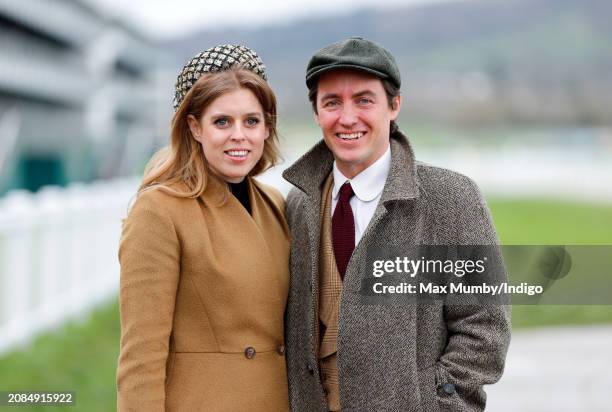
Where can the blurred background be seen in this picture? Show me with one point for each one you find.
(515, 94)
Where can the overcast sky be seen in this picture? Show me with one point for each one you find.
(168, 18)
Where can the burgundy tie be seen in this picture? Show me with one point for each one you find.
(343, 229)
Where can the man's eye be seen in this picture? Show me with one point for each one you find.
(364, 100)
(330, 103)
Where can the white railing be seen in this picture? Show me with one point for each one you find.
(58, 255)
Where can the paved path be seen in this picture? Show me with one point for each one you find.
(556, 369)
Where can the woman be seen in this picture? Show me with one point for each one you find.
(204, 252)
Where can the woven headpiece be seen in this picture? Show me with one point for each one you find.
(216, 59)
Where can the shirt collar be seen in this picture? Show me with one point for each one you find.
(368, 184)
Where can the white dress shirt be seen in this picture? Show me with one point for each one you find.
(368, 187)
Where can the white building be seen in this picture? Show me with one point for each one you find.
(82, 96)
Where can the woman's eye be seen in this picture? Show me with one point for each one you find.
(221, 122)
(252, 121)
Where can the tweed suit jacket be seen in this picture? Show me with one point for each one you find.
(393, 357)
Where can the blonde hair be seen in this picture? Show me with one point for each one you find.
(183, 160)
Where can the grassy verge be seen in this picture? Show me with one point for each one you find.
(541, 222)
(80, 357)
(549, 222)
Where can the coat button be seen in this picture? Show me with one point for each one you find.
(448, 388)
(310, 369)
(280, 349)
(250, 352)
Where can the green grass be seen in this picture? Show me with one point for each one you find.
(527, 316)
(82, 356)
(542, 222)
(549, 222)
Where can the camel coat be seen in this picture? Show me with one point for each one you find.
(202, 298)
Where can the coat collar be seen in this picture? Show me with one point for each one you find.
(308, 173)
(369, 183)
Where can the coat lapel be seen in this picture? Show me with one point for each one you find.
(308, 174)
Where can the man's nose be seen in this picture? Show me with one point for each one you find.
(348, 116)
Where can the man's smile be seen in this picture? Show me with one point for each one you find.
(350, 136)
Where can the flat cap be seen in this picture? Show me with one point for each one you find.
(353, 53)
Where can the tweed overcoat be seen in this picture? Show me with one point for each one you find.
(393, 357)
(202, 298)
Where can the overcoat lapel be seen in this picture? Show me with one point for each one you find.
(310, 181)
(401, 185)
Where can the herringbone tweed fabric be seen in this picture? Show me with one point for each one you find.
(393, 357)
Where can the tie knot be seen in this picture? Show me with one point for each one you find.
(346, 192)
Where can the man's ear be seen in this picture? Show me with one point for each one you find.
(194, 126)
(396, 106)
(315, 115)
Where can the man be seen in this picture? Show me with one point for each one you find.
(357, 189)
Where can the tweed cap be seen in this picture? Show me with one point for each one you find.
(353, 53)
(216, 59)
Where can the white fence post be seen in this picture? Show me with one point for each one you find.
(17, 221)
(58, 255)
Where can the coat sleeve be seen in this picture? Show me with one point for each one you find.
(149, 255)
(479, 335)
